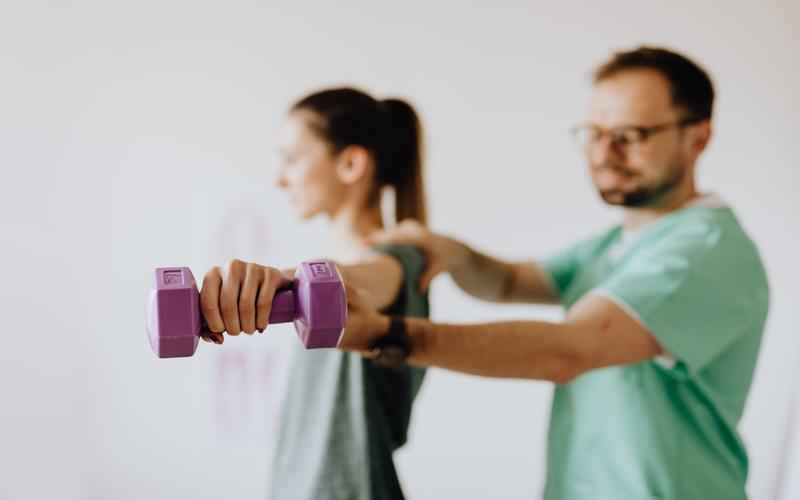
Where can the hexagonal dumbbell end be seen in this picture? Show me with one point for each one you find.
(321, 304)
(173, 313)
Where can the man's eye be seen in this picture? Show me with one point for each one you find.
(588, 135)
(622, 138)
(629, 136)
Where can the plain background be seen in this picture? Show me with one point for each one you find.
(140, 134)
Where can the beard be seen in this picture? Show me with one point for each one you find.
(644, 195)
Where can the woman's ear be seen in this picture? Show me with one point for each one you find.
(353, 164)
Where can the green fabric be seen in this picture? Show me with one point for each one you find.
(664, 428)
(343, 416)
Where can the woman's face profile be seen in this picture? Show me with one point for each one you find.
(307, 168)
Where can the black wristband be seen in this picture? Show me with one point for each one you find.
(392, 349)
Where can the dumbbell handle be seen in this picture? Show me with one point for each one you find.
(283, 306)
(283, 302)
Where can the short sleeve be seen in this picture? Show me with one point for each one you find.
(564, 266)
(690, 289)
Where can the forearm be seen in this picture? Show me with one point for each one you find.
(516, 349)
(380, 276)
(491, 279)
(478, 274)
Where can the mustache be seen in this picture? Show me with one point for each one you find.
(617, 169)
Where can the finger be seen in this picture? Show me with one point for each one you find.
(409, 224)
(395, 239)
(349, 290)
(376, 238)
(357, 301)
(247, 297)
(425, 281)
(212, 338)
(404, 233)
(353, 295)
(428, 275)
(209, 300)
(266, 294)
(229, 299)
(273, 280)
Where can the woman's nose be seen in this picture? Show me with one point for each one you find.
(280, 180)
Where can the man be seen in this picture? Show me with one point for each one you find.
(665, 312)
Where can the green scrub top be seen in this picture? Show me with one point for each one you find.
(665, 428)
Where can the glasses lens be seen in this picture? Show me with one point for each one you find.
(628, 136)
(584, 135)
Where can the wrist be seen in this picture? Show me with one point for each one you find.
(391, 350)
(419, 338)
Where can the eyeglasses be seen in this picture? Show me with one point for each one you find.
(626, 136)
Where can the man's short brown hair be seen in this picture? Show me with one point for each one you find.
(690, 85)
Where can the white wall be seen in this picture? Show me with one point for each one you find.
(138, 134)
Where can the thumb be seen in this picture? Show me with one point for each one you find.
(382, 237)
(355, 297)
(376, 238)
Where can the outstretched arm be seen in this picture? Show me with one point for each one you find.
(596, 333)
(478, 274)
(239, 299)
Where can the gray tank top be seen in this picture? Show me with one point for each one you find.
(343, 416)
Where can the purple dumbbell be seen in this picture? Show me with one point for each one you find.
(316, 302)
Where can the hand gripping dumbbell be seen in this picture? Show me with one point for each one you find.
(316, 302)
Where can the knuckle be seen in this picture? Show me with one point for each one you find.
(271, 274)
(206, 304)
(235, 266)
(213, 273)
(245, 308)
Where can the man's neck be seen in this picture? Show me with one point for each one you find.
(637, 217)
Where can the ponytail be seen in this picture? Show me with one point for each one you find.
(402, 169)
(389, 129)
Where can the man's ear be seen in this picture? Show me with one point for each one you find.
(701, 136)
(353, 164)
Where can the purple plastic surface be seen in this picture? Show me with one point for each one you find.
(173, 322)
(321, 304)
(316, 303)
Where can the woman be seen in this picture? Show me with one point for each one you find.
(343, 415)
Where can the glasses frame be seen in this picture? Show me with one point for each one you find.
(626, 136)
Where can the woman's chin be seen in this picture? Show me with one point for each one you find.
(305, 214)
